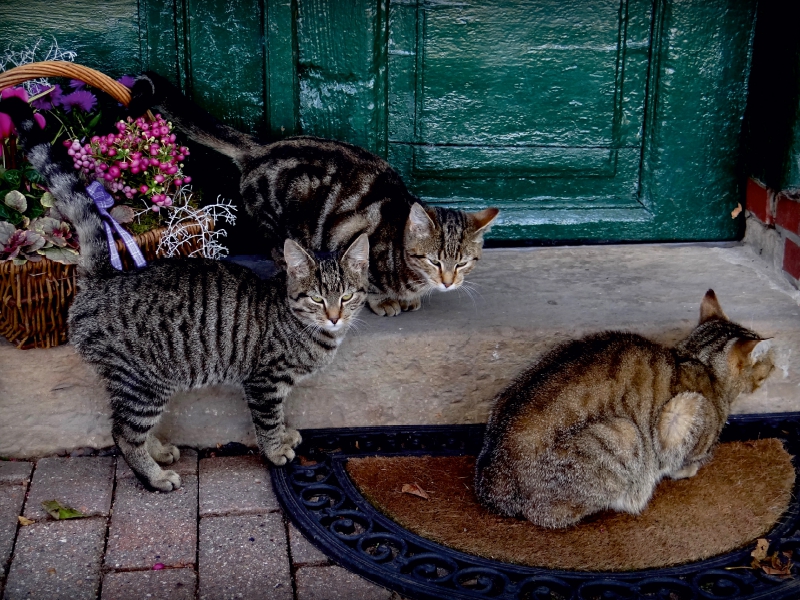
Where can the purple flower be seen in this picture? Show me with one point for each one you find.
(49, 101)
(127, 80)
(77, 84)
(82, 99)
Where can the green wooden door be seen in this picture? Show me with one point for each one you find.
(591, 120)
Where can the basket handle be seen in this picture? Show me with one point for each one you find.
(60, 68)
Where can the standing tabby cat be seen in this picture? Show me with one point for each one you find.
(324, 193)
(178, 324)
(597, 422)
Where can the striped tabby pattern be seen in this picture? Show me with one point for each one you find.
(598, 422)
(179, 324)
(323, 194)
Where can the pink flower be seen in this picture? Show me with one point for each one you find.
(6, 126)
(17, 92)
(39, 117)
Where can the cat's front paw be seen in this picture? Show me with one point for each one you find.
(166, 454)
(384, 308)
(285, 452)
(687, 471)
(411, 305)
(166, 481)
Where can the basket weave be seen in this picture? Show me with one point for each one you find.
(35, 297)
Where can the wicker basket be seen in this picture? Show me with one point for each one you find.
(35, 297)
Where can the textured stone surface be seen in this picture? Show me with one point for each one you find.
(445, 363)
(83, 483)
(11, 499)
(335, 583)
(235, 485)
(244, 557)
(172, 584)
(303, 551)
(12, 471)
(57, 559)
(151, 527)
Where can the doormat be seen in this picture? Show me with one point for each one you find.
(328, 507)
(733, 500)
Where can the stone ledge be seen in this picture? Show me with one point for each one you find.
(444, 363)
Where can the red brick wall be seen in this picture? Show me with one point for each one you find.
(781, 211)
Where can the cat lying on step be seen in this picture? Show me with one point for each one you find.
(324, 194)
(597, 422)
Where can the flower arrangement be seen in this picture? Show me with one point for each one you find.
(140, 163)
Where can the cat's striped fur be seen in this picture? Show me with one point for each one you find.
(324, 193)
(598, 422)
(180, 323)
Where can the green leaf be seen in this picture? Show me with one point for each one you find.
(16, 200)
(47, 200)
(59, 511)
(65, 256)
(13, 177)
(33, 175)
(93, 123)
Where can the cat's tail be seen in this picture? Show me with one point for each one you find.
(70, 195)
(151, 90)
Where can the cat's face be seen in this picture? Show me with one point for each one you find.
(735, 353)
(444, 245)
(327, 294)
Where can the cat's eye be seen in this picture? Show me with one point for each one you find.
(347, 297)
(317, 299)
(433, 261)
(463, 263)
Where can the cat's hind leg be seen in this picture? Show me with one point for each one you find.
(165, 454)
(135, 414)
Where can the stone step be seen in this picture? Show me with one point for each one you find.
(445, 363)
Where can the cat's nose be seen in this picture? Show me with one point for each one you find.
(334, 318)
(447, 279)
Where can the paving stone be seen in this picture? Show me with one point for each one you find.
(13, 471)
(11, 499)
(151, 527)
(57, 559)
(244, 557)
(174, 584)
(235, 485)
(303, 551)
(335, 583)
(84, 483)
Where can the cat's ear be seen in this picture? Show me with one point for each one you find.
(419, 224)
(482, 220)
(710, 308)
(299, 263)
(751, 351)
(356, 257)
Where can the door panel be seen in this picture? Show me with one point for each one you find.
(598, 120)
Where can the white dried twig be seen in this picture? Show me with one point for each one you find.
(13, 58)
(181, 216)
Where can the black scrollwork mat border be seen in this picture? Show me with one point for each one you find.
(327, 508)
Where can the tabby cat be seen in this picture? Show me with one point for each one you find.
(597, 422)
(324, 193)
(180, 323)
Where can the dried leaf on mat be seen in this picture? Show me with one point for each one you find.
(778, 564)
(415, 490)
(24, 521)
(760, 553)
(59, 511)
(736, 211)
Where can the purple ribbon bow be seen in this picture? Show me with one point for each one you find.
(103, 200)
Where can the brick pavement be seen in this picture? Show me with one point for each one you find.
(222, 535)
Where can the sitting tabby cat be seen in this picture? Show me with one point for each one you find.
(597, 422)
(180, 323)
(324, 193)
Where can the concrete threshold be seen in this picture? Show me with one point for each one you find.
(446, 362)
